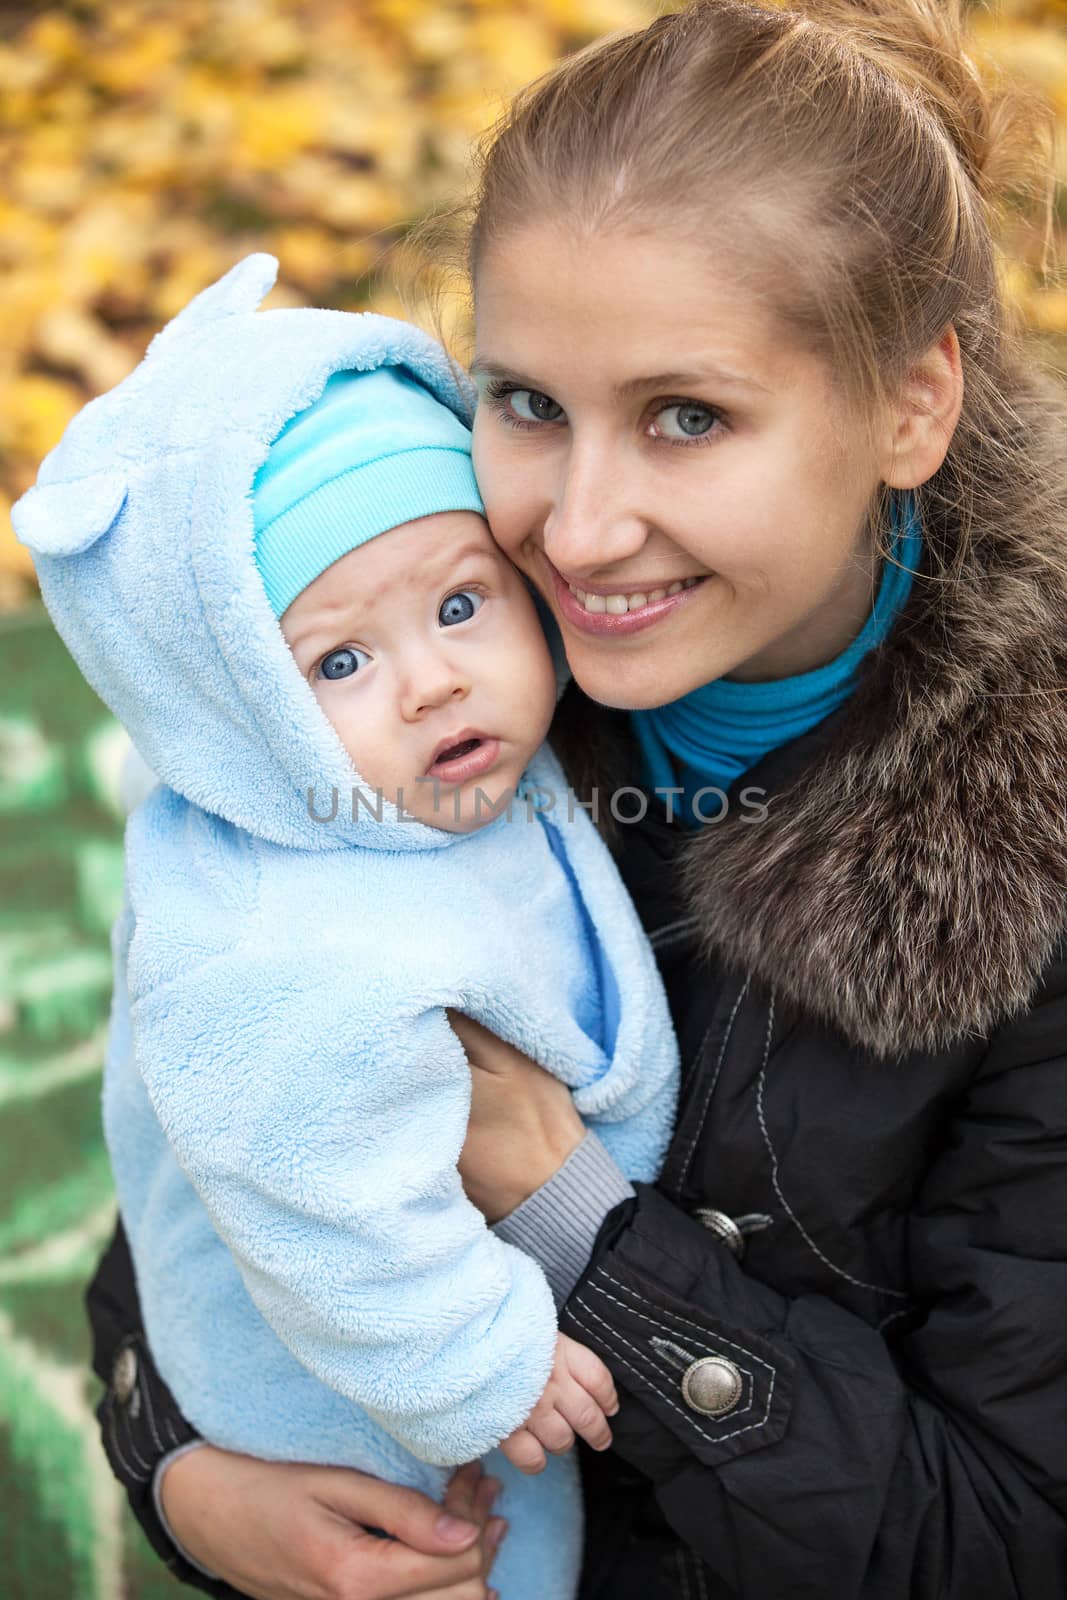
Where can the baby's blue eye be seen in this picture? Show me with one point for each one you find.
(341, 663)
(459, 607)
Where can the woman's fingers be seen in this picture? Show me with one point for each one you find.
(477, 1590)
(393, 1571)
(465, 1494)
(486, 1497)
(412, 1518)
(280, 1531)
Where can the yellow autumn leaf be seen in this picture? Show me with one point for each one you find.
(55, 38)
(513, 47)
(14, 557)
(140, 63)
(307, 254)
(1047, 311)
(187, 275)
(274, 127)
(40, 408)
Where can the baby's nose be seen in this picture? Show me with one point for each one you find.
(431, 686)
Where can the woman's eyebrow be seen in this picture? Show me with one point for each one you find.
(709, 373)
(482, 367)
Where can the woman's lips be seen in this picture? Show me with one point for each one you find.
(605, 623)
(472, 764)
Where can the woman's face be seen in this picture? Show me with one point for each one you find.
(642, 424)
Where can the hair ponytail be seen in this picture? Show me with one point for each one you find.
(1002, 130)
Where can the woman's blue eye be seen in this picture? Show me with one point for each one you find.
(690, 419)
(459, 607)
(341, 663)
(533, 406)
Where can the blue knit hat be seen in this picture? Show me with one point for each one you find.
(374, 450)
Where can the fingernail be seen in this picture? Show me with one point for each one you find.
(614, 1410)
(496, 1532)
(454, 1529)
(494, 1594)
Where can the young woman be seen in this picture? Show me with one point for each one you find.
(750, 420)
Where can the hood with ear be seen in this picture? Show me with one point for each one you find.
(141, 530)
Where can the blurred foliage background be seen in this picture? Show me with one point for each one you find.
(145, 146)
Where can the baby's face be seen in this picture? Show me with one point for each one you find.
(424, 649)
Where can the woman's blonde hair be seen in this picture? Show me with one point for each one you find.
(848, 158)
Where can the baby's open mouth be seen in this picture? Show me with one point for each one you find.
(454, 751)
(469, 756)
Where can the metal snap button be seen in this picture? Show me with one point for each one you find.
(712, 1386)
(724, 1227)
(124, 1374)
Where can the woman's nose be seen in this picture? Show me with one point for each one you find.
(593, 521)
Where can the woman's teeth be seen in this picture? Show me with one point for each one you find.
(617, 604)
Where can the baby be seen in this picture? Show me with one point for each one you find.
(266, 550)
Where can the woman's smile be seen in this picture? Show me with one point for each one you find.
(618, 611)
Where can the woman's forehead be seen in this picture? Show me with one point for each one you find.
(634, 310)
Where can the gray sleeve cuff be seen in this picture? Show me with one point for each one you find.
(559, 1222)
(157, 1499)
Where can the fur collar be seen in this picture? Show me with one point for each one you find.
(909, 884)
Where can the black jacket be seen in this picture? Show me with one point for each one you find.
(870, 990)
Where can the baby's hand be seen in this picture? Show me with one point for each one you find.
(578, 1398)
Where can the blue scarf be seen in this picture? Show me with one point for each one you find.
(721, 729)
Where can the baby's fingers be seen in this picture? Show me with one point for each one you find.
(593, 1376)
(585, 1416)
(524, 1451)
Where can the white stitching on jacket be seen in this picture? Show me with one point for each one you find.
(679, 1551)
(146, 1466)
(687, 1162)
(665, 1344)
(151, 1417)
(146, 1469)
(705, 1333)
(875, 1288)
(576, 1300)
(132, 1471)
(687, 1417)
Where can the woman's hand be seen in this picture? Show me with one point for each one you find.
(279, 1531)
(522, 1126)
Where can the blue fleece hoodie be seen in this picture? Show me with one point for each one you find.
(284, 1100)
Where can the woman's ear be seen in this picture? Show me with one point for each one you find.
(926, 415)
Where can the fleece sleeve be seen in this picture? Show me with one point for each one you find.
(325, 1152)
(933, 1465)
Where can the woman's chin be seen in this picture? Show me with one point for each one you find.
(630, 687)
(630, 680)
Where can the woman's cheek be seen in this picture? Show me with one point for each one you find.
(497, 487)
